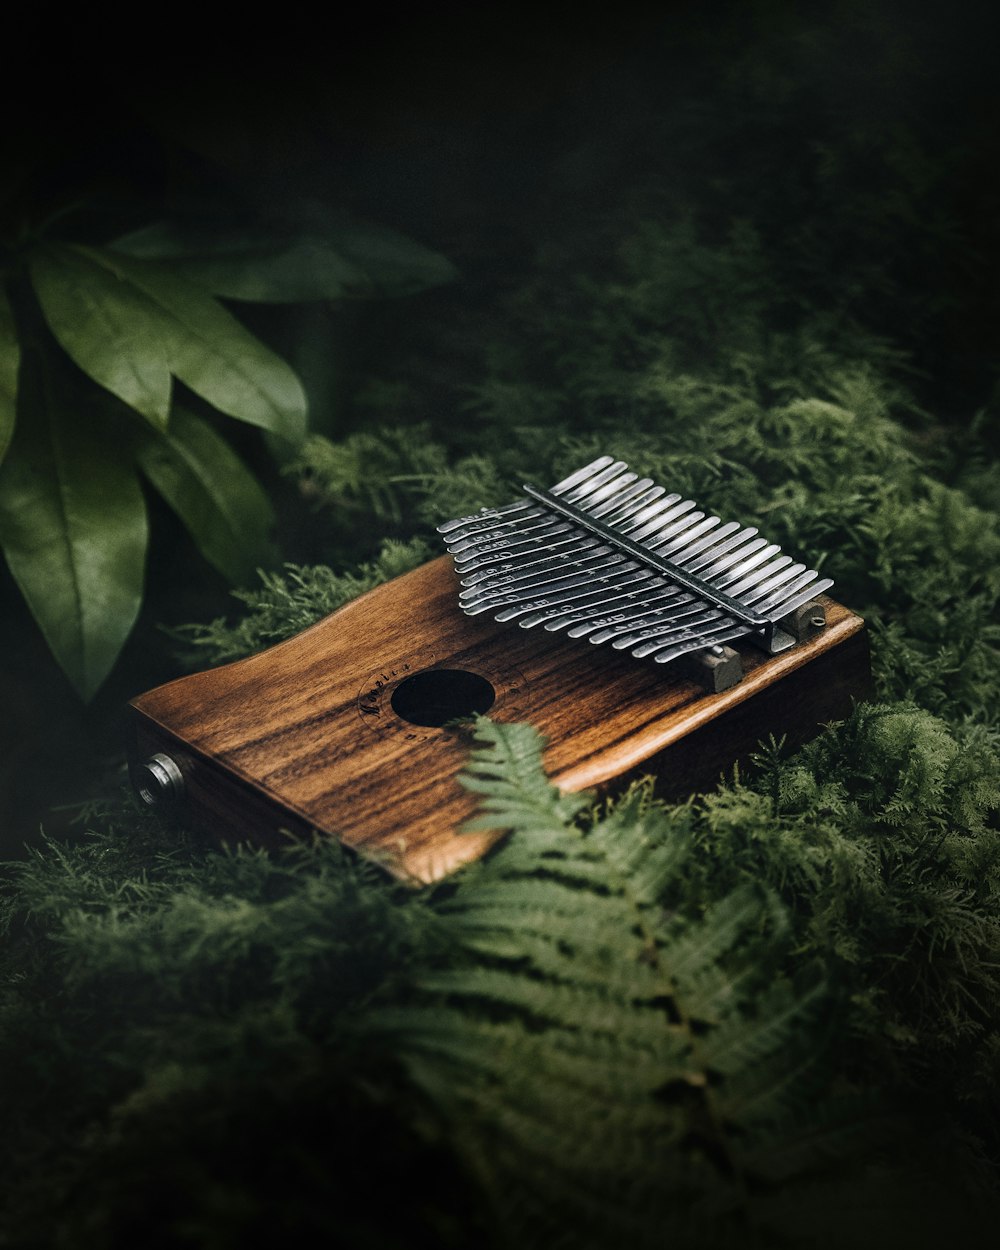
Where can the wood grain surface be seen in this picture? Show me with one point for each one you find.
(304, 736)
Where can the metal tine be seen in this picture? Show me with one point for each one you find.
(629, 510)
(490, 525)
(740, 570)
(653, 637)
(581, 475)
(630, 620)
(541, 555)
(506, 595)
(720, 566)
(642, 532)
(604, 614)
(655, 625)
(713, 552)
(510, 530)
(641, 581)
(513, 585)
(691, 548)
(667, 547)
(676, 531)
(759, 575)
(764, 589)
(638, 492)
(501, 548)
(803, 596)
(631, 519)
(594, 483)
(708, 639)
(609, 490)
(563, 596)
(487, 514)
(775, 601)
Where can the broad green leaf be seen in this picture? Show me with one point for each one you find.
(213, 492)
(73, 528)
(10, 361)
(104, 325)
(325, 259)
(158, 319)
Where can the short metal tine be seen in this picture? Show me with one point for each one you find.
(707, 557)
(784, 606)
(775, 603)
(653, 624)
(642, 641)
(759, 575)
(740, 570)
(763, 589)
(626, 511)
(691, 548)
(581, 475)
(722, 633)
(668, 548)
(717, 567)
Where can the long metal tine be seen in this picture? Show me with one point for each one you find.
(552, 598)
(566, 549)
(505, 588)
(484, 514)
(516, 593)
(638, 491)
(633, 586)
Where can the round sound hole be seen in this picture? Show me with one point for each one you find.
(439, 695)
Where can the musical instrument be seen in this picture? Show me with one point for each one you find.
(653, 638)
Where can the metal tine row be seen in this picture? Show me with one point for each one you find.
(530, 563)
(488, 570)
(576, 487)
(488, 515)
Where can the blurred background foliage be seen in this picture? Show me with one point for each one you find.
(752, 250)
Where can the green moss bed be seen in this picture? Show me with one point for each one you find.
(765, 1017)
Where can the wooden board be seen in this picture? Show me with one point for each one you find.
(305, 735)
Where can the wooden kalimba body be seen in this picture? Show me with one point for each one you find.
(349, 727)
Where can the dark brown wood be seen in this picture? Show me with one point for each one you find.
(304, 736)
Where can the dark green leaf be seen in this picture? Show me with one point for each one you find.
(73, 528)
(10, 361)
(105, 326)
(213, 492)
(131, 323)
(326, 259)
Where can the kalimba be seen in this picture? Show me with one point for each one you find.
(637, 633)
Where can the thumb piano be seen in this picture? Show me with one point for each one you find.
(637, 633)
